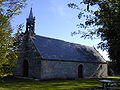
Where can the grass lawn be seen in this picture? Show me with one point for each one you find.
(22, 84)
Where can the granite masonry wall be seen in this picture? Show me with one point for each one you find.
(29, 53)
(69, 70)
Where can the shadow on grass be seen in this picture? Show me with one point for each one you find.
(22, 84)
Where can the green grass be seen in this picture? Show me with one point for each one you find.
(21, 84)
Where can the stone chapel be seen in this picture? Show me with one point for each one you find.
(48, 58)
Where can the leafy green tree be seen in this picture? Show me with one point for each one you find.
(8, 9)
(103, 22)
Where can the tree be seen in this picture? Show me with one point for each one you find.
(8, 9)
(106, 20)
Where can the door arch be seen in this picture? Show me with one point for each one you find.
(25, 68)
(80, 71)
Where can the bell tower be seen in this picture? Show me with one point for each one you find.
(30, 24)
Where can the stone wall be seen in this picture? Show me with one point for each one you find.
(47, 69)
(69, 70)
(28, 52)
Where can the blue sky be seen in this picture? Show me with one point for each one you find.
(54, 19)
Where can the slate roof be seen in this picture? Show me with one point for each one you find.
(55, 49)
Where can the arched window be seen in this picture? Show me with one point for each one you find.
(80, 71)
(25, 68)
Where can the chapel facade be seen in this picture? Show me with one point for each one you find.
(47, 58)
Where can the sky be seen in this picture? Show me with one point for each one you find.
(55, 19)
